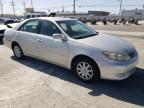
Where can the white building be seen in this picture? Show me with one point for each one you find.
(89, 14)
(137, 14)
(36, 14)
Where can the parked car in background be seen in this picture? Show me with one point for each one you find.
(36, 14)
(2, 30)
(9, 21)
(71, 44)
(5, 27)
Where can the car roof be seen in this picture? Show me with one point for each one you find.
(54, 18)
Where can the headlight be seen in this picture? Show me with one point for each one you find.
(117, 56)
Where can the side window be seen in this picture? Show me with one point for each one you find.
(30, 26)
(48, 28)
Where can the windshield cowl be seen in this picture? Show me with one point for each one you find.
(87, 36)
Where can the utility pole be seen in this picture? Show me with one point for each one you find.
(24, 8)
(13, 6)
(49, 10)
(74, 4)
(63, 8)
(32, 5)
(1, 5)
(120, 7)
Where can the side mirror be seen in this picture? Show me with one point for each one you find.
(59, 36)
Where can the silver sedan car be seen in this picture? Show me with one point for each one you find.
(71, 44)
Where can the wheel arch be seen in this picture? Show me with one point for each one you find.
(85, 57)
(14, 43)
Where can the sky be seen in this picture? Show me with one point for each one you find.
(81, 5)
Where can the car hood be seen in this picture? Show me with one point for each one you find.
(12, 25)
(3, 27)
(108, 43)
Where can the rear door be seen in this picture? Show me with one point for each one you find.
(27, 34)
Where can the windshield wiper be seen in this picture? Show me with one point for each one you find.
(94, 34)
(81, 37)
(90, 35)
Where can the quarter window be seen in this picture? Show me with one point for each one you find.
(30, 26)
(48, 28)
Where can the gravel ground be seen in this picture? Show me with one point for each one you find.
(31, 83)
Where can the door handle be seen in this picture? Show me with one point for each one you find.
(39, 40)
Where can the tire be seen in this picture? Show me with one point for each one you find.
(86, 70)
(18, 53)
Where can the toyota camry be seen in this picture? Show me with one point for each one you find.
(71, 44)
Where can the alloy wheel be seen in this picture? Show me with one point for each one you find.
(17, 51)
(84, 70)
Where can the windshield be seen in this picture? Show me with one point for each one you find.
(76, 29)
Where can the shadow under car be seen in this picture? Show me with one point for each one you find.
(129, 90)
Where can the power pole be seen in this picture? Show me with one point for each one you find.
(32, 5)
(13, 6)
(1, 5)
(120, 7)
(24, 8)
(74, 4)
(63, 8)
(49, 10)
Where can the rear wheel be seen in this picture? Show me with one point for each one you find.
(86, 70)
(18, 53)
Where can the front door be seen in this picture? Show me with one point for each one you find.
(51, 49)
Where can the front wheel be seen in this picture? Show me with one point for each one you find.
(86, 70)
(18, 53)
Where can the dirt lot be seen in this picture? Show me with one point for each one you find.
(119, 27)
(32, 83)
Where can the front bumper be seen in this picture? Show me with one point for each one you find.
(118, 70)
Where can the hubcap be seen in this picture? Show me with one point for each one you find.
(17, 51)
(84, 70)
